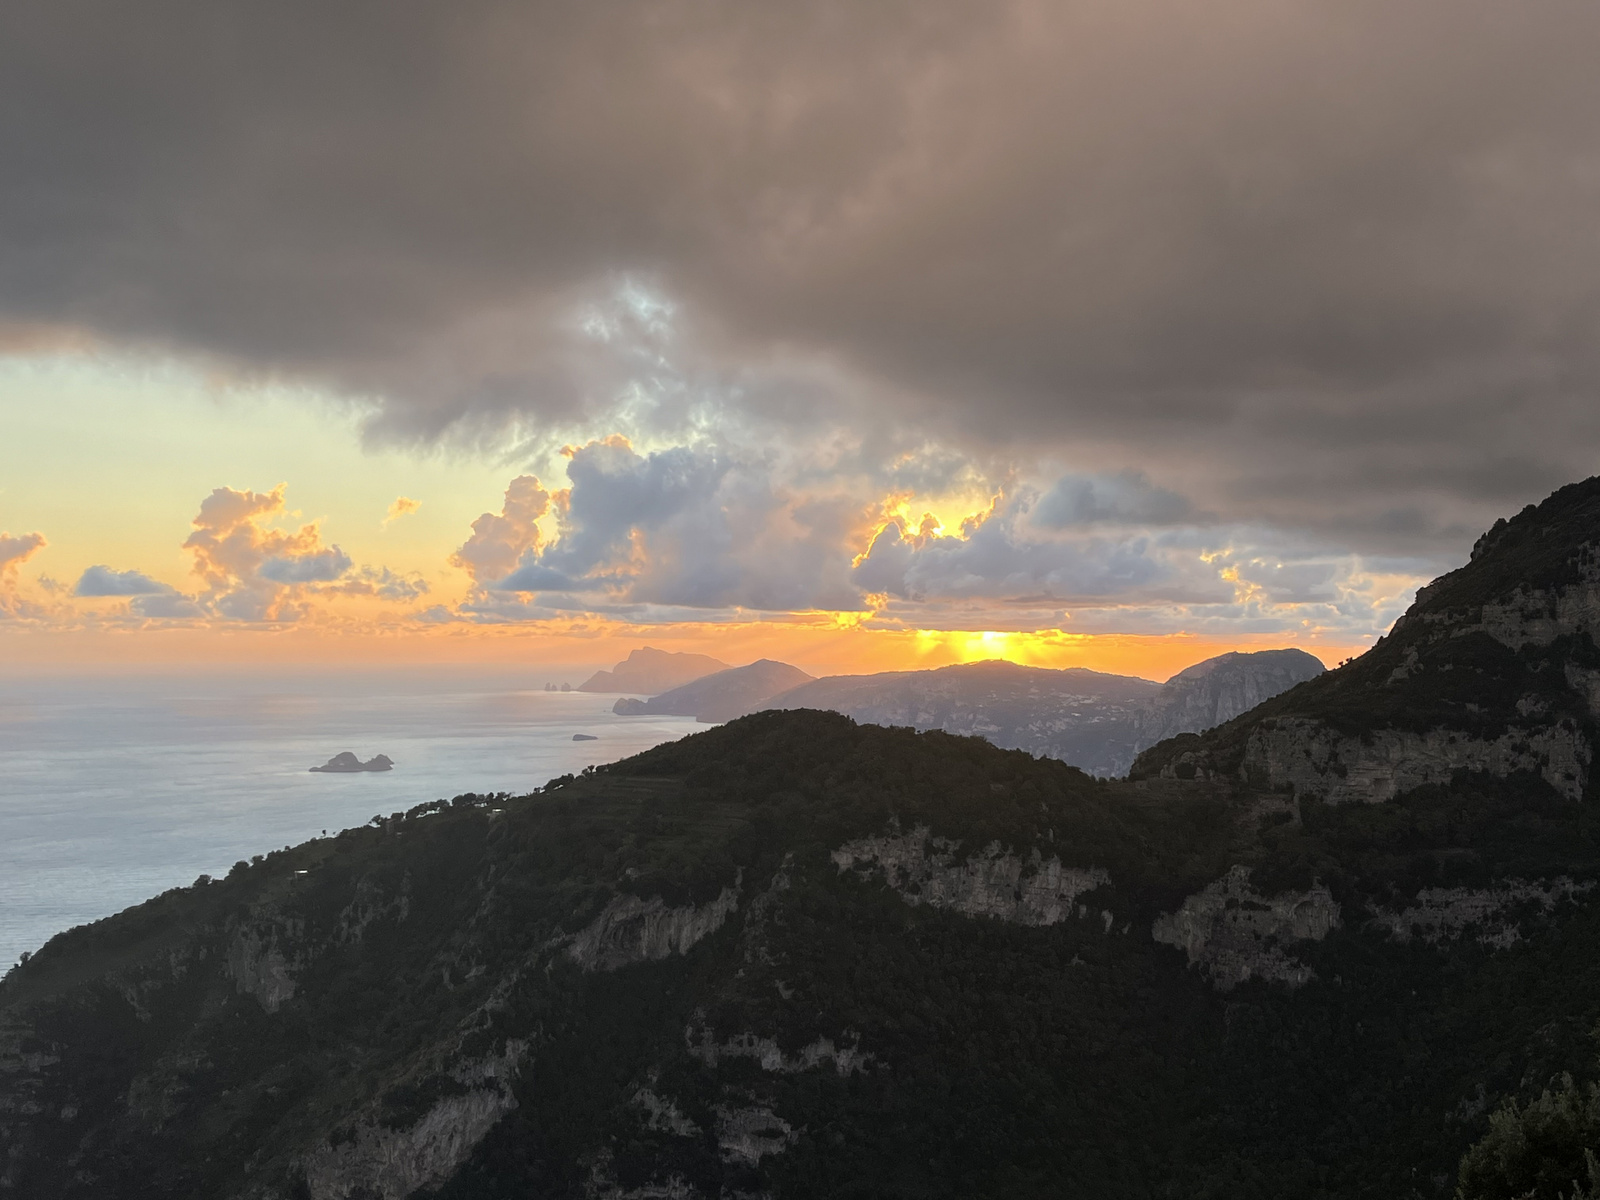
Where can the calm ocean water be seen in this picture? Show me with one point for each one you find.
(114, 789)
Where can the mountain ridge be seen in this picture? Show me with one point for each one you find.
(1092, 719)
(1497, 657)
(796, 955)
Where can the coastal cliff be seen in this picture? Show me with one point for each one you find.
(1492, 672)
(1305, 953)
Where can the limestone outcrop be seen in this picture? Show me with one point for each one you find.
(1314, 760)
(374, 1160)
(1215, 691)
(633, 930)
(991, 882)
(1494, 913)
(1233, 933)
(259, 965)
(765, 1051)
(748, 1133)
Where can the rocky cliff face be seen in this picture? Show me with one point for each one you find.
(1215, 691)
(633, 930)
(1301, 954)
(1309, 758)
(1494, 915)
(371, 1158)
(990, 882)
(794, 955)
(1234, 933)
(1491, 673)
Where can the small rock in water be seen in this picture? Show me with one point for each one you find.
(345, 763)
(584, 737)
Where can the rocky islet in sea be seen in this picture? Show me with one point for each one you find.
(346, 763)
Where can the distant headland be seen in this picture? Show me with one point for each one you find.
(344, 763)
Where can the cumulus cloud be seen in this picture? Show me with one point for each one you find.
(16, 550)
(701, 532)
(697, 527)
(379, 582)
(500, 540)
(100, 581)
(403, 506)
(251, 571)
(312, 566)
(999, 555)
(248, 570)
(167, 606)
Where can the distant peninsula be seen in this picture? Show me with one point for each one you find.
(648, 672)
(723, 695)
(345, 763)
(1095, 721)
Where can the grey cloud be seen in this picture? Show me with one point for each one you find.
(536, 577)
(502, 609)
(1294, 583)
(16, 549)
(999, 559)
(1127, 498)
(1328, 264)
(616, 491)
(321, 566)
(689, 527)
(103, 581)
(166, 606)
(692, 532)
(379, 582)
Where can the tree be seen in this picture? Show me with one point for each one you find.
(1540, 1152)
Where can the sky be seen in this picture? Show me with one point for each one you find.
(861, 336)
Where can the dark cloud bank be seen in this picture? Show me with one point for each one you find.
(1331, 266)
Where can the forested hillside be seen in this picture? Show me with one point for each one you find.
(1312, 953)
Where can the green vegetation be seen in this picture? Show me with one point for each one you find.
(662, 977)
(1539, 1151)
(1005, 1058)
(1435, 669)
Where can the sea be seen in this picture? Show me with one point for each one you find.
(115, 788)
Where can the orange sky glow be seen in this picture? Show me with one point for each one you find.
(821, 648)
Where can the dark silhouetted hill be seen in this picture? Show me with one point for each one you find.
(1311, 952)
(1088, 718)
